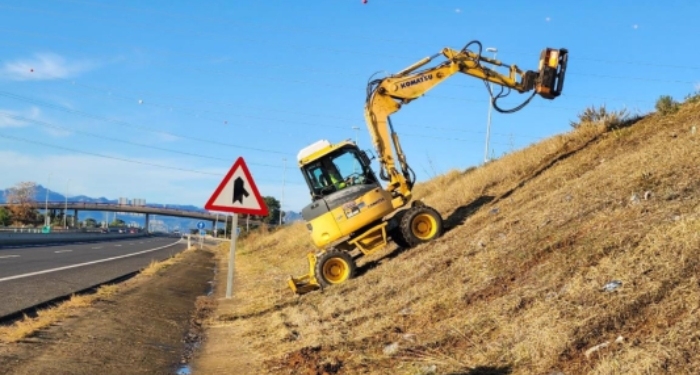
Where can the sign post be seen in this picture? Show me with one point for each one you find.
(237, 194)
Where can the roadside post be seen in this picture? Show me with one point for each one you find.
(236, 194)
(200, 226)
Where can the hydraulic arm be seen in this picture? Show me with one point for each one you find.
(386, 96)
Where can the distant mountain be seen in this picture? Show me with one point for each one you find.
(291, 216)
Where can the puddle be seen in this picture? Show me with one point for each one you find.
(210, 290)
(184, 370)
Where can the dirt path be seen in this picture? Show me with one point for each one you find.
(140, 330)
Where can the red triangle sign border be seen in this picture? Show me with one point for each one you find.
(240, 163)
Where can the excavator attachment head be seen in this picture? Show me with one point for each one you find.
(305, 283)
(550, 80)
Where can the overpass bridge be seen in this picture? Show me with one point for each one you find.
(53, 207)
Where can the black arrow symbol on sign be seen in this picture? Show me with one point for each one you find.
(239, 190)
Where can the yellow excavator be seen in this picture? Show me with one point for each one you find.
(351, 214)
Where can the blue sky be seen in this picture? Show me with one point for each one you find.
(157, 99)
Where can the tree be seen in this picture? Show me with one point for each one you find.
(90, 223)
(273, 207)
(21, 200)
(5, 216)
(117, 223)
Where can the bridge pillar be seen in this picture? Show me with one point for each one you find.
(148, 219)
(76, 223)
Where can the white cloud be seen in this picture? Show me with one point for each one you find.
(18, 119)
(165, 137)
(43, 66)
(8, 121)
(697, 86)
(13, 119)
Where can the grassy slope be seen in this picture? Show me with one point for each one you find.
(514, 286)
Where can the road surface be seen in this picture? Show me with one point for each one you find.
(33, 275)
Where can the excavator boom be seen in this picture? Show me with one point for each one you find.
(386, 96)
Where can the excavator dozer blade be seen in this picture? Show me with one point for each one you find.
(305, 283)
(302, 284)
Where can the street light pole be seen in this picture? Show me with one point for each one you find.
(47, 221)
(284, 177)
(65, 208)
(488, 122)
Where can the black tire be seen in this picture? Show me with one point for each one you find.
(396, 234)
(421, 224)
(334, 267)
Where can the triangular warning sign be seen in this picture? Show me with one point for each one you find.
(237, 193)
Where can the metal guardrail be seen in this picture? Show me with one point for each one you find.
(68, 231)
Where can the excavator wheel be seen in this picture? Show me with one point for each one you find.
(334, 267)
(396, 234)
(421, 224)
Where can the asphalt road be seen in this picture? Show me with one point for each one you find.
(33, 275)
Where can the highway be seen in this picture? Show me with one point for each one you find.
(36, 274)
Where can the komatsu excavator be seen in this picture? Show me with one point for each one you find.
(351, 214)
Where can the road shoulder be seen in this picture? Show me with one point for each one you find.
(140, 330)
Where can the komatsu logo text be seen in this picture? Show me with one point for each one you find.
(416, 81)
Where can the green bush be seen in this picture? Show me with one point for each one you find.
(665, 105)
(600, 115)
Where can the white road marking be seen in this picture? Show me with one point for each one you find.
(9, 256)
(86, 263)
(62, 251)
(97, 247)
(117, 245)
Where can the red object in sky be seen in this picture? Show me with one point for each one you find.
(364, 1)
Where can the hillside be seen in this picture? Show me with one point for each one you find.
(517, 284)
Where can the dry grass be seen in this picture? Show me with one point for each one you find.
(516, 286)
(29, 326)
(158, 266)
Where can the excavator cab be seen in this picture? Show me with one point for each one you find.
(336, 171)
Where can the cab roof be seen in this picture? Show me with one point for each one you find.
(319, 149)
